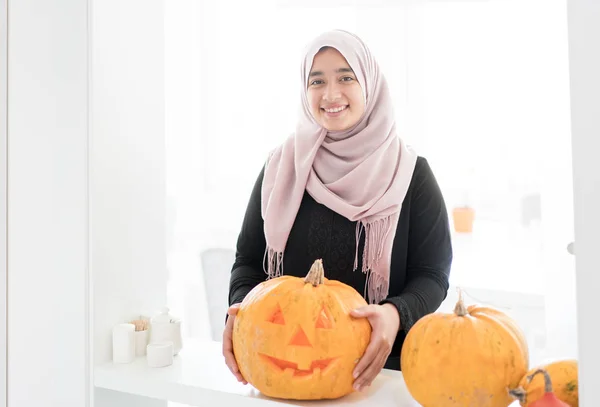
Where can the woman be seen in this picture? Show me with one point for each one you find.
(345, 188)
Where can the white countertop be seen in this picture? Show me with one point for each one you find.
(199, 376)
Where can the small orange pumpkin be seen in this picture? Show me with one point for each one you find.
(294, 338)
(470, 358)
(564, 379)
(549, 399)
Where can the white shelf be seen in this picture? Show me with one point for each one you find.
(199, 376)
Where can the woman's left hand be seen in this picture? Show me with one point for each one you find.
(385, 323)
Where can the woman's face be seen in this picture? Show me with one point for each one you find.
(334, 94)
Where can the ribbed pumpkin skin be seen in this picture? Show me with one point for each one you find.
(469, 358)
(307, 330)
(564, 378)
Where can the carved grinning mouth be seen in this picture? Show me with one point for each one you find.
(284, 365)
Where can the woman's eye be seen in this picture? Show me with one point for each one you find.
(316, 82)
(347, 78)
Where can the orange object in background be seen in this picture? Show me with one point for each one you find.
(463, 219)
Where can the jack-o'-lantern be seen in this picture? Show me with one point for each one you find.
(294, 338)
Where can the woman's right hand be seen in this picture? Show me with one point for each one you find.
(228, 343)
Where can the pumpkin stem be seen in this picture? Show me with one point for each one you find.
(519, 394)
(547, 380)
(460, 309)
(316, 273)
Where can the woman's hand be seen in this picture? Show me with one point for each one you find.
(385, 323)
(228, 344)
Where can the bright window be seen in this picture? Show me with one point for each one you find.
(480, 89)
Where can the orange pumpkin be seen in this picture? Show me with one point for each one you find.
(470, 358)
(564, 378)
(294, 338)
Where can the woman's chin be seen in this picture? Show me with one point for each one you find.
(336, 125)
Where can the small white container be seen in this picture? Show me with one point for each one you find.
(123, 341)
(166, 328)
(159, 354)
(141, 342)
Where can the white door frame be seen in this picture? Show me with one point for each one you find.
(3, 195)
(584, 65)
(44, 124)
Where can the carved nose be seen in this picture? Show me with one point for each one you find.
(300, 338)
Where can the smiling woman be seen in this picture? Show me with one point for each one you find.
(346, 189)
(337, 101)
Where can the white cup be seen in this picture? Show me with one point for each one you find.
(123, 341)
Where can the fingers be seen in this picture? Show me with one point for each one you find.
(233, 310)
(228, 348)
(363, 312)
(367, 358)
(232, 365)
(371, 372)
(371, 363)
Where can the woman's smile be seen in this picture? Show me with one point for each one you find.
(334, 111)
(334, 94)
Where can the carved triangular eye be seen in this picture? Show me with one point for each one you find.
(277, 316)
(324, 319)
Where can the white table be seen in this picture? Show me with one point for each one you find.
(199, 377)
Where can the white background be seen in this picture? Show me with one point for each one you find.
(48, 127)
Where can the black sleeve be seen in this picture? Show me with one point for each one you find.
(247, 270)
(429, 251)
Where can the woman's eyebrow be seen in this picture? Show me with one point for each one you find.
(340, 70)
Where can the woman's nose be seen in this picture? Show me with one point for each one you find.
(332, 92)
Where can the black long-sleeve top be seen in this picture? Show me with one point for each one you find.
(421, 252)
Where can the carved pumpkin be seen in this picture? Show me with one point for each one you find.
(564, 380)
(470, 358)
(294, 338)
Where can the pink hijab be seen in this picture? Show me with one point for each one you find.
(361, 173)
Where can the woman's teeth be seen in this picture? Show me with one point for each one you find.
(336, 109)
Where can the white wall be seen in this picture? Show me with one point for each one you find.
(127, 174)
(48, 126)
(584, 43)
(186, 53)
(47, 203)
(3, 217)
(127, 180)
